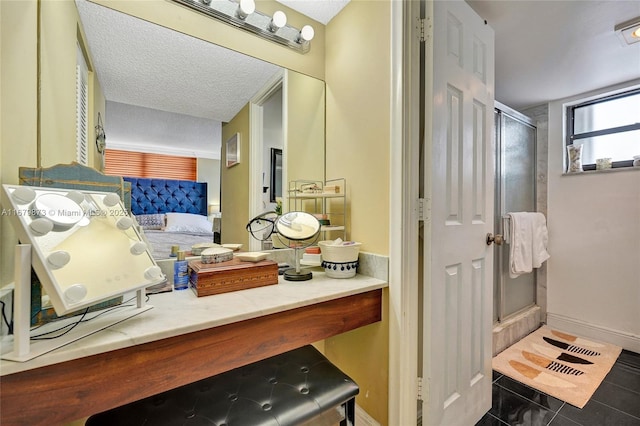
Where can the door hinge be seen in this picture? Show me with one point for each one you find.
(424, 209)
(424, 25)
(420, 387)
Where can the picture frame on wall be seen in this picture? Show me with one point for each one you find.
(275, 175)
(232, 156)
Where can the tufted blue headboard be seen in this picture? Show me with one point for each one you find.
(150, 196)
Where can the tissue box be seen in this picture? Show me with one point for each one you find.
(206, 279)
(331, 189)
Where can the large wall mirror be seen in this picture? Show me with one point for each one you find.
(152, 75)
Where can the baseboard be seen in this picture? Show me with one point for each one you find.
(515, 328)
(627, 341)
(363, 418)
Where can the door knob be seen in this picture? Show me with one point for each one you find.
(498, 239)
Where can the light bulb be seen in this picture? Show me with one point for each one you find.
(636, 33)
(246, 8)
(306, 34)
(278, 21)
(58, 259)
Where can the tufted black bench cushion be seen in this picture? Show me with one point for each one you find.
(287, 389)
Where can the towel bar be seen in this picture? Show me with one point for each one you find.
(506, 228)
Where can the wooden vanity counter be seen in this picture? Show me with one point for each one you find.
(182, 339)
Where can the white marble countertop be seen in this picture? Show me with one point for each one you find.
(181, 312)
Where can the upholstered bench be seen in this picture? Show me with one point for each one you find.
(292, 388)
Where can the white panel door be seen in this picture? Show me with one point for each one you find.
(459, 180)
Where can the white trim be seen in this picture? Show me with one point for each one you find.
(161, 149)
(82, 108)
(285, 138)
(256, 147)
(581, 328)
(403, 223)
(602, 93)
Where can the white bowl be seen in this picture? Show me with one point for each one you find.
(339, 253)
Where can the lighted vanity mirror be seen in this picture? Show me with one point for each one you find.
(292, 118)
(85, 249)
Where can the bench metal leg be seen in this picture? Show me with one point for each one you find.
(349, 413)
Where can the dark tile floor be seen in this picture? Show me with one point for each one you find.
(616, 402)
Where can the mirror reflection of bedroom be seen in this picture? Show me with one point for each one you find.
(193, 126)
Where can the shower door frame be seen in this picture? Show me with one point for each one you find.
(500, 202)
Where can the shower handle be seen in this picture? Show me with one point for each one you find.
(498, 239)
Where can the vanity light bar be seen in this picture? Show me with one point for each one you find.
(236, 14)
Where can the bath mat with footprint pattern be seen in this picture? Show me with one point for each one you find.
(559, 364)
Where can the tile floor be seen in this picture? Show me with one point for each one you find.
(616, 402)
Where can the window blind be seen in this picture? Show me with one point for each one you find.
(143, 164)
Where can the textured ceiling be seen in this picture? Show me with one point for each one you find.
(320, 10)
(143, 64)
(548, 50)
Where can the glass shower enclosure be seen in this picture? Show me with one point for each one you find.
(515, 192)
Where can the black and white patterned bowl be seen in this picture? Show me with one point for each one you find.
(340, 269)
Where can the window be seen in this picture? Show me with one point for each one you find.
(606, 127)
(148, 165)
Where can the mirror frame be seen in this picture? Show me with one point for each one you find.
(177, 18)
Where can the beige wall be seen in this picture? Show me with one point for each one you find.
(58, 40)
(357, 148)
(305, 104)
(18, 112)
(17, 80)
(358, 110)
(234, 182)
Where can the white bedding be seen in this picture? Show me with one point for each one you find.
(161, 241)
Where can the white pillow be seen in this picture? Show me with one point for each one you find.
(187, 222)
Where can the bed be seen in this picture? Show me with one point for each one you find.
(170, 212)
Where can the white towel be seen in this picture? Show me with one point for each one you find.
(528, 242)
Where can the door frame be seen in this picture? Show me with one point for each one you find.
(404, 308)
(256, 146)
(403, 213)
(499, 199)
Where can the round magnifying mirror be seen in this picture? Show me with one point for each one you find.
(297, 226)
(298, 230)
